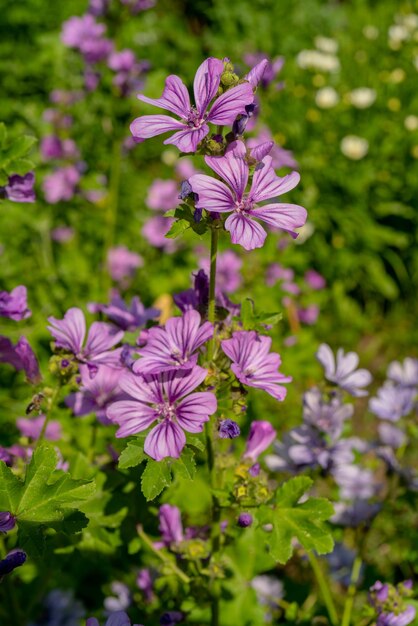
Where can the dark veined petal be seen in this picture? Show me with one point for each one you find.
(213, 194)
(232, 167)
(284, 216)
(194, 411)
(69, 333)
(187, 140)
(165, 440)
(245, 231)
(132, 417)
(266, 184)
(230, 104)
(148, 126)
(206, 82)
(175, 97)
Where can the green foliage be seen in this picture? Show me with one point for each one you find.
(256, 321)
(291, 519)
(46, 498)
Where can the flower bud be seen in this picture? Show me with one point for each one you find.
(14, 559)
(262, 434)
(245, 520)
(7, 521)
(228, 429)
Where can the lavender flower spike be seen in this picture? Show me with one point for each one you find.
(342, 371)
(70, 333)
(252, 363)
(233, 168)
(193, 124)
(14, 304)
(165, 398)
(262, 434)
(175, 346)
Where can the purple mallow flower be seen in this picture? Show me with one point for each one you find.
(21, 357)
(171, 527)
(252, 363)
(392, 402)
(19, 188)
(120, 618)
(228, 266)
(163, 195)
(61, 184)
(215, 195)
(97, 393)
(165, 398)
(171, 618)
(262, 434)
(175, 346)
(326, 416)
(390, 603)
(315, 280)
(120, 599)
(193, 124)
(404, 374)
(280, 157)
(155, 230)
(353, 514)
(264, 71)
(14, 305)
(32, 428)
(342, 371)
(122, 263)
(7, 521)
(14, 559)
(126, 317)
(70, 332)
(145, 583)
(228, 429)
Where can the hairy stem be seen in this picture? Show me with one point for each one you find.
(348, 607)
(324, 588)
(168, 562)
(52, 403)
(111, 212)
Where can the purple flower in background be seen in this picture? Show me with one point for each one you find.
(354, 513)
(315, 280)
(390, 435)
(14, 305)
(215, 195)
(280, 157)
(328, 417)
(70, 332)
(7, 521)
(14, 559)
(193, 124)
(252, 363)
(122, 61)
(165, 398)
(21, 357)
(171, 528)
(342, 371)
(51, 148)
(32, 427)
(97, 393)
(163, 195)
(135, 6)
(276, 272)
(268, 590)
(196, 298)
(309, 314)
(171, 618)
(61, 184)
(144, 582)
(228, 429)
(122, 263)
(340, 563)
(262, 434)
(390, 604)
(392, 402)
(245, 520)
(126, 317)
(228, 266)
(98, 7)
(19, 188)
(355, 482)
(77, 30)
(264, 71)
(120, 618)
(121, 598)
(404, 374)
(62, 234)
(175, 346)
(155, 230)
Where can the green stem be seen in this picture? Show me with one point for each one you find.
(349, 603)
(323, 586)
(212, 283)
(111, 213)
(48, 415)
(161, 556)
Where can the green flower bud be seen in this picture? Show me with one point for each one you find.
(229, 79)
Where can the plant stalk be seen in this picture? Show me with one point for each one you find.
(324, 588)
(212, 284)
(348, 607)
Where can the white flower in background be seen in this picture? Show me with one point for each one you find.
(411, 122)
(410, 21)
(397, 34)
(305, 231)
(326, 44)
(354, 147)
(314, 59)
(326, 98)
(371, 32)
(362, 98)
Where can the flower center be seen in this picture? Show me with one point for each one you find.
(245, 206)
(194, 120)
(166, 411)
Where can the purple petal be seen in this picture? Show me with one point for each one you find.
(188, 139)
(132, 417)
(266, 184)
(230, 104)
(180, 384)
(260, 151)
(255, 75)
(194, 410)
(245, 232)
(136, 387)
(206, 83)
(69, 333)
(148, 126)
(232, 167)
(284, 216)
(213, 194)
(165, 440)
(325, 356)
(175, 97)
(102, 337)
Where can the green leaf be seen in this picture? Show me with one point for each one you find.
(4, 179)
(185, 466)
(47, 497)
(305, 521)
(3, 134)
(177, 229)
(247, 314)
(156, 476)
(195, 442)
(133, 454)
(20, 166)
(19, 148)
